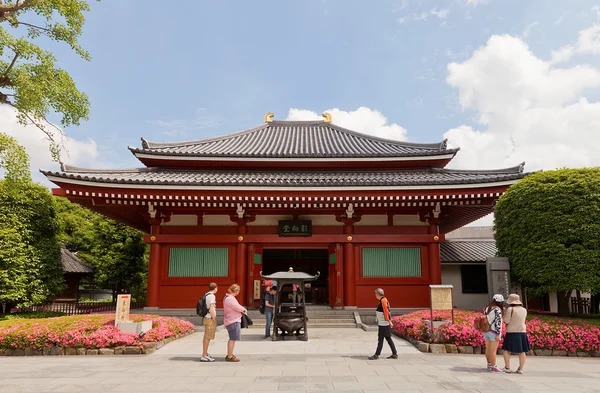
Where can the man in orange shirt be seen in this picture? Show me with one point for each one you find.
(385, 326)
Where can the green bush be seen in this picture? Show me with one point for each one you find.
(33, 315)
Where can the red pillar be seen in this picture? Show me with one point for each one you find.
(435, 264)
(153, 271)
(349, 281)
(241, 266)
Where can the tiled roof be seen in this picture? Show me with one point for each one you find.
(72, 264)
(467, 251)
(295, 139)
(159, 176)
(464, 233)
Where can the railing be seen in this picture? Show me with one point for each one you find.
(580, 306)
(82, 308)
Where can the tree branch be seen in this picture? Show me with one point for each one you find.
(7, 9)
(11, 65)
(34, 26)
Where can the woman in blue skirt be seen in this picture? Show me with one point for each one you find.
(516, 340)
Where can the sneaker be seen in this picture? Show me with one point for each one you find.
(394, 356)
(489, 367)
(266, 337)
(495, 369)
(206, 359)
(211, 358)
(232, 359)
(519, 371)
(374, 357)
(507, 370)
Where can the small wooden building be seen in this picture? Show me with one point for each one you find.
(74, 270)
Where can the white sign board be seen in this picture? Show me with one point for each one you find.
(123, 305)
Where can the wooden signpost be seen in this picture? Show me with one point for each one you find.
(441, 299)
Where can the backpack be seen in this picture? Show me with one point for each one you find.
(263, 304)
(482, 324)
(201, 307)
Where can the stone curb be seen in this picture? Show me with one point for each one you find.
(144, 348)
(460, 349)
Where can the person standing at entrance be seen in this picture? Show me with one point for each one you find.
(269, 309)
(232, 320)
(385, 326)
(295, 288)
(209, 321)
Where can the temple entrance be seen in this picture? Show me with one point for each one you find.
(306, 260)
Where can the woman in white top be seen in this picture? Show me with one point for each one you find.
(493, 311)
(516, 340)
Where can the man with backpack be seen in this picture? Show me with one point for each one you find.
(207, 308)
(384, 323)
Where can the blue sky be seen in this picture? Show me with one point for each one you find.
(195, 69)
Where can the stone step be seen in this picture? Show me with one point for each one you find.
(313, 321)
(309, 315)
(320, 325)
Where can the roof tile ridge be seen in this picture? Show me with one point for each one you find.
(441, 146)
(76, 258)
(74, 169)
(517, 169)
(147, 145)
(470, 240)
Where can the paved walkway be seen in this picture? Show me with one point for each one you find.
(332, 360)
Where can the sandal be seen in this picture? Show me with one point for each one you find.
(233, 358)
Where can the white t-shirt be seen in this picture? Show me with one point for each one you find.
(210, 299)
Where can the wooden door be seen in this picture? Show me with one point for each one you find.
(255, 260)
(334, 277)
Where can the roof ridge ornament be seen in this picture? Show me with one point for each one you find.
(327, 117)
(269, 117)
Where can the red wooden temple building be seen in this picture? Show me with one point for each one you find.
(365, 212)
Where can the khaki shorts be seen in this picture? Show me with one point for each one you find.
(210, 327)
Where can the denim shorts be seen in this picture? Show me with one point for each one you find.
(490, 336)
(235, 331)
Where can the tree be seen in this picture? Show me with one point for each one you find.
(30, 80)
(13, 159)
(117, 251)
(30, 266)
(548, 225)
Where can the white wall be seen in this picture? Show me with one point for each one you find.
(469, 301)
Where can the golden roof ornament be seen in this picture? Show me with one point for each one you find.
(269, 117)
(327, 117)
(291, 269)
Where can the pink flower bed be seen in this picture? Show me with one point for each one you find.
(554, 333)
(84, 331)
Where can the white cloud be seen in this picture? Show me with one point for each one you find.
(424, 15)
(588, 43)
(528, 109)
(528, 29)
(74, 152)
(181, 128)
(363, 120)
(596, 9)
(475, 3)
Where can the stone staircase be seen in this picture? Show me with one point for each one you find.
(318, 317)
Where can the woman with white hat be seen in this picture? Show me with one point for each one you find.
(516, 340)
(493, 311)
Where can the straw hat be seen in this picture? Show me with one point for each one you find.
(513, 298)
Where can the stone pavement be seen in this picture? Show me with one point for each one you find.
(331, 361)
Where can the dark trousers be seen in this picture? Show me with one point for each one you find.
(385, 332)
